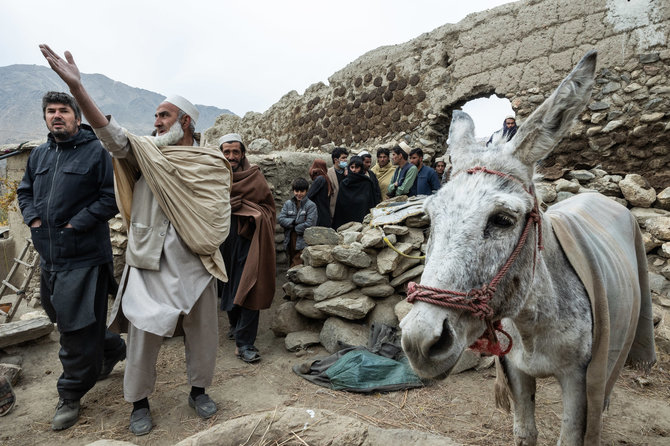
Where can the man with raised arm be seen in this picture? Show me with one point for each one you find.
(174, 196)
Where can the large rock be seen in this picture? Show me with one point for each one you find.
(337, 271)
(349, 237)
(319, 235)
(354, 305)
(317, 255)
(663, 199)
(371, 239)
(260, 146)
(368, 277)
(659, 284)
(332, 288)
(311, 276)
(289, 290)
(468, 360)
(303, 291)
(336, 330)
(310, 426)
(384, 311)
(306, 308)
(396, 229)
(402, 308)
(563, 185)
(650, 242)
(388, 259)
(414, 237)
(352, 255)
(408, 275)
(642, 215)
(659, 227)
(291, 273)
(287, 320)
(605, 187)
(547, 192)
(378, 290)
(637, 191)
(406, 263)
(301, 340)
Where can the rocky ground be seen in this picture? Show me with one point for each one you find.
(460, 407)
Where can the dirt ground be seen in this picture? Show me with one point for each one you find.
(460, 407)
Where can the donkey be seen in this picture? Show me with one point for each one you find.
(497, 267)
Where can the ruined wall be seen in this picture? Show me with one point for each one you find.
(520, 51)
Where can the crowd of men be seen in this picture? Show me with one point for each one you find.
(182, 253)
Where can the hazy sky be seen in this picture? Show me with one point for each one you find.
(243, 56)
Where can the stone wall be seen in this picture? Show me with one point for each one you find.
(519, 51)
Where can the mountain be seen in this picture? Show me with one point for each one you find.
(22, 88)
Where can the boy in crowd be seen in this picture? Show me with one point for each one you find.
(297, 214)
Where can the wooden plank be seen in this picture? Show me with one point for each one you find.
(12, 333)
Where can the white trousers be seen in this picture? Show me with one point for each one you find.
(201, 340)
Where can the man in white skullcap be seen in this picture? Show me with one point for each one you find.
(174, 197)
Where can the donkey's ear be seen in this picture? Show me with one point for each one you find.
(461, 135)
(545, 127)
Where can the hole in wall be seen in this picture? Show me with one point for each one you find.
(488, 113)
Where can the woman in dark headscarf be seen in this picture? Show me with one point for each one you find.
(506, 133)
(356, 196)
(320, 192)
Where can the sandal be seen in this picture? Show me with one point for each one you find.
(248, 354)
(7, 396)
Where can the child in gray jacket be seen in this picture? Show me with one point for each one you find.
(297, 214)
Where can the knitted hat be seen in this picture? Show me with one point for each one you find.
(184, 105)
(231, 137)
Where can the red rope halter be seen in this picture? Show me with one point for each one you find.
(476, 301)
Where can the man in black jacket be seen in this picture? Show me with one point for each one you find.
(67, 197)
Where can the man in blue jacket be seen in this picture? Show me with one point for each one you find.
(427, 182)
(67, 197)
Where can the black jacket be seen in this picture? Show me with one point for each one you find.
(69, 182)
(318, 193)
(354, 200)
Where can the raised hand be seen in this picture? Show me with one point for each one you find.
(67, 69)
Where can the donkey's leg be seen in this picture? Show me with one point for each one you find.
(573, 389)
(523, 392)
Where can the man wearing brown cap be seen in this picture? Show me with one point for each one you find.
(173, 254)
(249, 250)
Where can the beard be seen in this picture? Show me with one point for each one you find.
(172, 137)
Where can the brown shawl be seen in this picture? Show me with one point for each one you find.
(252, 202)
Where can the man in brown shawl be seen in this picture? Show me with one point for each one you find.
(249, 250)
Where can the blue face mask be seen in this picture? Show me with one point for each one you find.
(343, 164)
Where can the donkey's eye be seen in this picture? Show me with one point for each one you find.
(501, 220)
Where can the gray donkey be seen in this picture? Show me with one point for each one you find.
(562, 293)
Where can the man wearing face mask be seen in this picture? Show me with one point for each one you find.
(173, 253)
(337, 173)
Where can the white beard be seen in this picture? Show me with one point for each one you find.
(172, 137)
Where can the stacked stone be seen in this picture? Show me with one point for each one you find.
(350, 279)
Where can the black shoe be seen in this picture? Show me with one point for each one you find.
(249, 354)
(140, 421)
(231, 334)
(67, 414)
(203, 405)
(109, 363)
